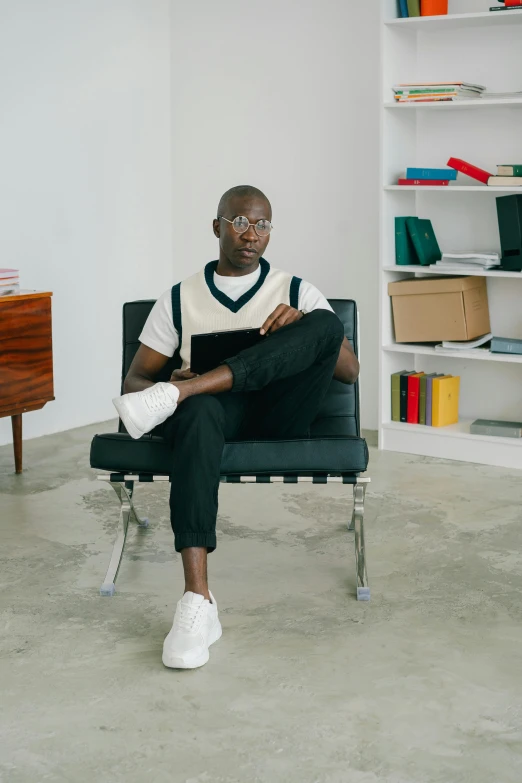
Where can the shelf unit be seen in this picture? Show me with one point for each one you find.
(487, 132)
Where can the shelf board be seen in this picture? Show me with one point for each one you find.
(473, 103)
(426, 270)
(460, 430)
(454, 442)
(455, 21)
(454, 188)
(428, 350)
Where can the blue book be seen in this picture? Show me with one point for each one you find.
(431, 174)
(506, 345)
(403, 8)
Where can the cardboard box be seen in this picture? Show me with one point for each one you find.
(454, 308)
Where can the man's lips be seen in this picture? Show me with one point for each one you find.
(248, 251)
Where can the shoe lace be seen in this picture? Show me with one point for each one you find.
(156, 400)
(189, 616)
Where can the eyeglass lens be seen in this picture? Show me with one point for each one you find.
(262, 227)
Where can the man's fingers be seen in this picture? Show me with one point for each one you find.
(288, 317)
(271, 318)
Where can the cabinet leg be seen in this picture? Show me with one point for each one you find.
(17, 441)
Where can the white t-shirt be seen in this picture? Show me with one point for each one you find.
(159, 332)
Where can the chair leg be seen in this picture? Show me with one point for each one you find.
(357, 524)
(127, 510)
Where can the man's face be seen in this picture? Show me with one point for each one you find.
(243, 250)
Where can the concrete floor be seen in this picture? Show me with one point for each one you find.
(422, 685)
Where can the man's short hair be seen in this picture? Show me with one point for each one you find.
(240, 190)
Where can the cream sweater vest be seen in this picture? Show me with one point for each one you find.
(199, 307)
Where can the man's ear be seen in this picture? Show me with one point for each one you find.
(216, 227)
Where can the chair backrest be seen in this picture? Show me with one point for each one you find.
(339, 414)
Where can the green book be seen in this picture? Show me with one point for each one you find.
(404, 251)
(509, 170)
(424, 240)
(414, 7)
(396, 394)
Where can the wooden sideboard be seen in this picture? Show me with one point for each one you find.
(26, 359)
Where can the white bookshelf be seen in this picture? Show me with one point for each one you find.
(478, 46)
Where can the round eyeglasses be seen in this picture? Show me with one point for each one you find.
(241, 224)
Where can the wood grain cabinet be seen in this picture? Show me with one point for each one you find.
(26, 359)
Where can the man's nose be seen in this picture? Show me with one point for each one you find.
(250, 234)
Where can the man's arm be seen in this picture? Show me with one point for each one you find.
(145, 367)
(347, 367)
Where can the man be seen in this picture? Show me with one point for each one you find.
(271, 390)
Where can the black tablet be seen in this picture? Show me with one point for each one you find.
(207, 351)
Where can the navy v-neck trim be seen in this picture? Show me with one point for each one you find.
(225, 300)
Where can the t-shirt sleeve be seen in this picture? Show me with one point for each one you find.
(159, 332)
(311, 299)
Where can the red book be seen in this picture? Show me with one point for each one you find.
(512, 3)
(423, 182)
(412, 407)
(471, 171)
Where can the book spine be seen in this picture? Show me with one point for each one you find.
(404, 397)
(396, 396)
(433, 182)
(496, 431)
(469, 170)
(414, 7)
(434, 7)
(412, 408)
(509, 171)
(403, 8)
(512, 3)
(422, 400)
(429, 387)
(444, 174)
(505, 346)
(503, 8)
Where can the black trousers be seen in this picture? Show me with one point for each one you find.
(279, 385)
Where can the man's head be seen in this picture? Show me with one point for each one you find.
(242, 251)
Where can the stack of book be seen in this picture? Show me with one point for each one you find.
(424, 92)
(415, 242)
(417, 398)
(509, 175)
(497, 429)
(9, 282)
(468, 262)
(419, 176)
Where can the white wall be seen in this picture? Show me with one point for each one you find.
(284, 96)
(85, 184)
(97, 153)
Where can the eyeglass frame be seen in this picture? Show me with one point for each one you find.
(222, 217)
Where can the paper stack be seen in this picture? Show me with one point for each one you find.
(9, 282)
(416, 92)
(468, 262)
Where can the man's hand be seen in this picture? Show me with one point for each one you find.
(182, 375)
(282, 316)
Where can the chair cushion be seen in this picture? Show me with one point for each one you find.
(119, 453)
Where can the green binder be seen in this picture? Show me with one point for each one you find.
(405, 254)
(424, 240)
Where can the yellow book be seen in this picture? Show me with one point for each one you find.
(445, 401)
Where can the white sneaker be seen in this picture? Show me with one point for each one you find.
(142, 411)
(196, 626)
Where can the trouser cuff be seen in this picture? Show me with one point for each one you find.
(238, 369)
(190, 539)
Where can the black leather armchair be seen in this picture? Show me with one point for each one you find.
(334, 452)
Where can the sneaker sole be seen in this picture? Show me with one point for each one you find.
(134, 432)
(179, 663)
